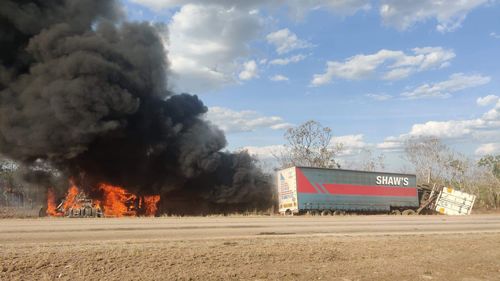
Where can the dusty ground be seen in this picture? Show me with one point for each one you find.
(332, 248)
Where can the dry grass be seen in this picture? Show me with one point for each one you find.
(14, 212)
(415, 257)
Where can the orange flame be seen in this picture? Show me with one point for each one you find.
(151, 203)
(114, 201)
(51, 203)
(71, 196)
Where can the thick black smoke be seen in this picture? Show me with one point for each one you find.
(87, 92)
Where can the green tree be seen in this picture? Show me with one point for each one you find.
(492, 163)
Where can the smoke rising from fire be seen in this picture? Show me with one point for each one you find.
(85, 91)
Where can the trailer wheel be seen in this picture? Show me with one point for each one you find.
(326, 213)
(312, 213)
(338, 213)
(288, 213)
(409, 212)
(396, 212)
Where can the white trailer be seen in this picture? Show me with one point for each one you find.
(454, 202)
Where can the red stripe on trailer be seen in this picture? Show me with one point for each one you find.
(321, 188)
(303, 184)
(350, 189)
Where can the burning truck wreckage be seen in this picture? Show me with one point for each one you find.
(86, 94)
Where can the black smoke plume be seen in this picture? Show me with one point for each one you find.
(86, 92)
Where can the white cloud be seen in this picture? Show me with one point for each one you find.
(391, 144)
(488, 148)
(483, 129)
(446, 129)
(206, 42)
(250, 70)
(392, 64)
(265, 152)
(208, 39)
(285, 61)
(456, 82)
(165, 4)
(487, 100)
(398, 73)
(449, 14)
(495, 35)
(297, 8)
(278, 78)
(243, 121)
(379, 97)
(285, 41)
(351, 144)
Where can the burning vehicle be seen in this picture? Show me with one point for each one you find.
(83, 207)
(115, 202)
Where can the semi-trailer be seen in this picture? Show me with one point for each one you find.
(315, 191)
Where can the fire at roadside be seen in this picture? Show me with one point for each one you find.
(87, 94)
(115, 202)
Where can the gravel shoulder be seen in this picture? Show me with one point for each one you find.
(261, 253)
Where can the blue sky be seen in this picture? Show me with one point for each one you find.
(376, 72)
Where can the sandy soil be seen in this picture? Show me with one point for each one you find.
(349, 248)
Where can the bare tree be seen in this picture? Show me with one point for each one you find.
(371, 162)
(429, 156)
(436, 162)
(309, 144)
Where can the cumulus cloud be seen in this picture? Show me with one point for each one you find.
(209, 38)
(265, 152)
(456, 82)
(379, 97)
(351, 144)
(206, 43)
(488, 148)
(391, 64)
(487, 100)
(285, 61)
(486, 128)
(298, 8)
(449, 14)
(285, 41)
(391, 144)
(243, 121)
(250, 70)
(278, 78)
(166, 4)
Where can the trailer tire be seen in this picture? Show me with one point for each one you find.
(288, 213)
(326, 213)
(339, 213)
(396, 212)
(409, 212)
(312, 213)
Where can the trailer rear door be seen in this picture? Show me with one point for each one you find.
(287, 190)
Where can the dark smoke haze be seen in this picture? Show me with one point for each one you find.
(86, 92)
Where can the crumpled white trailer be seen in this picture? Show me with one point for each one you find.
(454, 202)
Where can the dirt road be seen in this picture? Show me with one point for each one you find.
(252, 248)
(53, 229)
